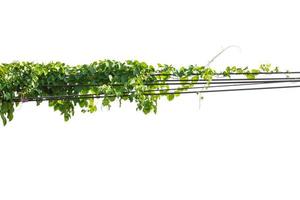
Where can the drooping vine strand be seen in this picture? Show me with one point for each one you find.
(30, 80)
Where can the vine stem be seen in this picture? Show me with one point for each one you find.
(220, 53)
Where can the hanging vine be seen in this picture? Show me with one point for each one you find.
(65, 86)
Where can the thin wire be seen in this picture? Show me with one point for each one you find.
(90, 96)
(241, 89)
(180, 83)
(171, 89)
(227, 82)
(234, 73)
(231, 79)
(219, 84)
(214, 86)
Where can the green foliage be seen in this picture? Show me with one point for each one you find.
(114, 80)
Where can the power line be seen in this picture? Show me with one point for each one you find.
(94, 96)
(227, 81)
(174, 89)
(232, 79)
(233, 73)
(215, 84)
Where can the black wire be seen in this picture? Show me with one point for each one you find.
(237, 83)
(154, 90)
(90, 96)
(219, 84)
(200, 82)
(230, 90)
(213, 86)
(232, 79)
(226, 82)
(244, 73)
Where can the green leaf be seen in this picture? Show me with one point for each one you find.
(105, 102)
(170, 97)
(10, 116)
(195, 79)
(250, 76)
(110, 78)
(4, 121)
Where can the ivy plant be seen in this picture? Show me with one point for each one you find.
(66, 87)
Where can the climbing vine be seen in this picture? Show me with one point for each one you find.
(66, 87)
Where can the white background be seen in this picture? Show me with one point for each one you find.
(236, 146)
